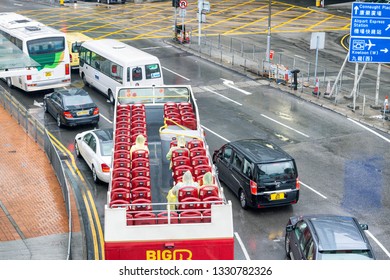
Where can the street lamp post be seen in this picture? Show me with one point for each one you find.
(269, 33)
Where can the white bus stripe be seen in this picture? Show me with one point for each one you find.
(176, 74)
(370, 130)
(313, 190)
(222, 96)
(242, 246)
(379, 244)
(297, 131)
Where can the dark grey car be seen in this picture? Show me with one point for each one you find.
(327, 237)
(259, 172)
(71, 107)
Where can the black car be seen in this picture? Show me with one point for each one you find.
(71, 107)
(260, 173)
(327, 237)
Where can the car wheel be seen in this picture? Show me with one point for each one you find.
(85, 80)
(111, 97)
(243, 200)
(287, 247)
(94, 175)
(9, 83)
(76, 148)
(45, 106)
(59, 124)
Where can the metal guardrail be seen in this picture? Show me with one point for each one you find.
(38, 133)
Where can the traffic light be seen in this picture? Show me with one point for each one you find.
(175, 3)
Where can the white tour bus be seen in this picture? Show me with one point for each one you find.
(44, 45)
(107, 64)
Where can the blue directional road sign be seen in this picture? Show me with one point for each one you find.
(370, 33)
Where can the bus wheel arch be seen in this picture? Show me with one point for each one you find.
(9, 82)
(84, 78)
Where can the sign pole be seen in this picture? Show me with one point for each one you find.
(200, 3)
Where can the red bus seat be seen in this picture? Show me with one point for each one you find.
(187, 112)
(119, 203)
(190, 203)
(144, 218)
(139, 154)
(122, 146)
(121, 163)
(121, 183)
(206, 216)
(121, 193)
(138, 130)
(189, 122)
(123, 124)
(183, 105)
(140, 162)
(173, 121)
(162, 217)
(122, 138)
(122, 154)
(141, 204)
(140, 172)
(199, 160)
(187, 191)
(194, 152)
(140, 182)
(190, 217)
(168, 105)
(140, 192)
(123, 131)
(138, 118)
(137, 107)
(172, 115)
(208, 201)
(195, 143)
(129, 219)
(121, 173)
(208, 190)
(179, 152)
(138, 124)
(200, 170)
(180, 170)
(123, 118)
(181, 160)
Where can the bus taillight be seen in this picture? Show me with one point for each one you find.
(67, 69)
(29, 77)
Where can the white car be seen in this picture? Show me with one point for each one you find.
(95, 146)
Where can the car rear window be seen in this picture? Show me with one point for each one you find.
(106, 148)
(77, 100)
(277, 171)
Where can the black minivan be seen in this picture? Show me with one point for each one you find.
(259, 172)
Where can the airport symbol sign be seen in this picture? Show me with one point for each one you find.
(369, 33)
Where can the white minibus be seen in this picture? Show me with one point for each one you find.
(107, 64)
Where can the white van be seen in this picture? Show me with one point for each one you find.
(107, 64)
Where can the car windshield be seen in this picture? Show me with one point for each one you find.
(276, 171)
(347, 255)
(106, 148)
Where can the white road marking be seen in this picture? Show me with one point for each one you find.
(313, 190)
(105, 118)
(176, 74)
(216, 134)
(231, 100)
(379, 244)
(17, 4)
(370, 130)
(152, 48)
(231, 85)
(242, 245)
(282, 124)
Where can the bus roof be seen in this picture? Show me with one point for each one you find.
(23, 27)
(119, 52)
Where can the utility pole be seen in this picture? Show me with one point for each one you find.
(269, 33)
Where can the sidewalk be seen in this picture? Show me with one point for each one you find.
(33, 219)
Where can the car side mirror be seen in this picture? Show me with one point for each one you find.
(364, 226)
(289, 228)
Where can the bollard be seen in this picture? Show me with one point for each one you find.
(61, 2)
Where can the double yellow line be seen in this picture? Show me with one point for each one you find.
(93, 217)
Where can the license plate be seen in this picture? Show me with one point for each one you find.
(83, 113)
(48, 74)
(276, 196)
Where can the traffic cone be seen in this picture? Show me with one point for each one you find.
(316, 88)
(386, 105)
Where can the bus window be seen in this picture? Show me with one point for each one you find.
(116, 72)
(152, 71)
(137, 74)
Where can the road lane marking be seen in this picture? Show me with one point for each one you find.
(216, 134)
(282, 124)
(379, 244)
(105, 118)
(313, 190)
(370, 130)
(242, 245)
(231, 85)
(231, 100)
(176, 73)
